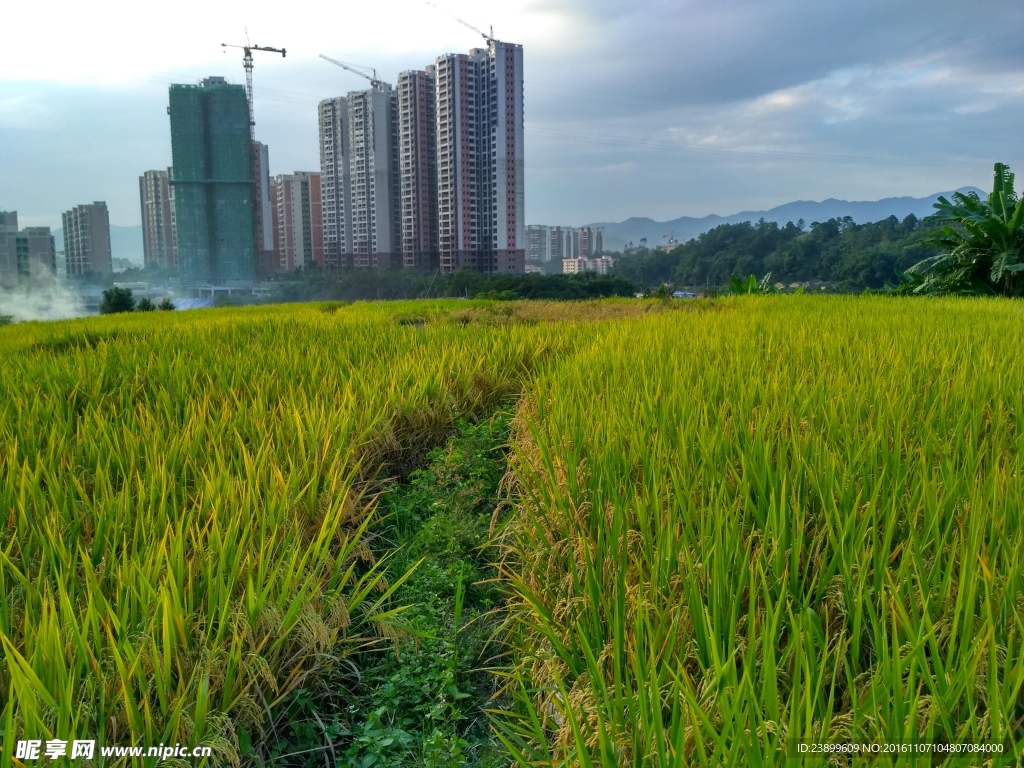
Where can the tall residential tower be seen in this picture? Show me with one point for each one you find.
(480, 165)
(212, 176)
(335, 186)
(360, 178)
(299, 233)
(87, 239)
(374, 178)
(417, 141)
(8, 247)
(158, 228)
(263, 210)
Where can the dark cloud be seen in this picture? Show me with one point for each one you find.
(701, 52)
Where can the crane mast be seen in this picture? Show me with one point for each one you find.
(247, 64)
(256, 174)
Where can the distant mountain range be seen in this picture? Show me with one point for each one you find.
(125, 243)
(618, 235)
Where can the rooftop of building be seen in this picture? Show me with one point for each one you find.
(214, 81)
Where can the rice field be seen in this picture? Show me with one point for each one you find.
(791, 520)
(185, 522)
(735, 526)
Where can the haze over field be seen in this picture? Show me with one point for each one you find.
(650, 109)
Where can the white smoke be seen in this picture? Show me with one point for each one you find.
(42, 297)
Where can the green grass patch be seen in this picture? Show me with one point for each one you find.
(422, 697)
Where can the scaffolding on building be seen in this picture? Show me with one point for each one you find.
(213, 183)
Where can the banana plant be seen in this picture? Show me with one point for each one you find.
(981, 243)
(751, 285)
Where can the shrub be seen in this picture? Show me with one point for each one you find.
(117, 300)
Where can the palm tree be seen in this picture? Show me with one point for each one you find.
(981, 244)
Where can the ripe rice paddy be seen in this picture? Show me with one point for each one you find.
(735, 526)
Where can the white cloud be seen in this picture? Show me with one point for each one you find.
(118, 41)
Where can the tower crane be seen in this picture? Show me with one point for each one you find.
(489, 38)
(247, 63)
(378, 85)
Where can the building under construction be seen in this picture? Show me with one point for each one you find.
(212, 176)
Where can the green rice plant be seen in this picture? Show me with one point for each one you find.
(797, 519)
(187, 533)
(741, 524)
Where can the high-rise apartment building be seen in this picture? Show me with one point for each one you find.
(555, 242)
(431, 176)
(8, 247)
(590, 242)
(480, 159)
(299, 234)
(212, 175)
(506, 175)
(158, 226)
(538, 243)
(36, 253)
(562, 243)
(335, 186)
(264, 210)
(417, 142)
(459, 103)
(359, 170)
(374, 178)
(87, 239)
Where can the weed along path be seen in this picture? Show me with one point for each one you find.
(427, 694)
(620, 533)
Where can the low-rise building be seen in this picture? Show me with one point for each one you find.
(600, 264)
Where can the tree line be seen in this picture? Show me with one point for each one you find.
(316, 285)
(969, 246)
(839, 251)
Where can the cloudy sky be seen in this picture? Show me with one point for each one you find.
(657, 108)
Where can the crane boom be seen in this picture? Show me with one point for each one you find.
(247, 64)
(489, 38)
(377, 84)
